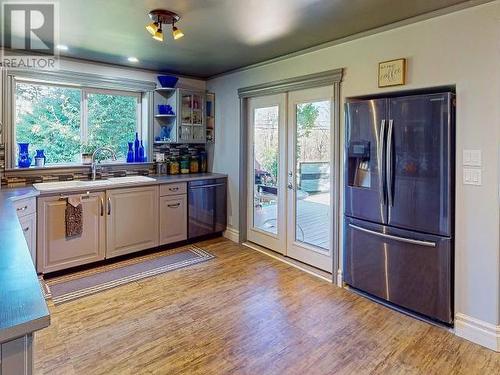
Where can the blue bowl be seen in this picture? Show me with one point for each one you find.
(168, 81)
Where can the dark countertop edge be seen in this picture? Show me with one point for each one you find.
(22, 329)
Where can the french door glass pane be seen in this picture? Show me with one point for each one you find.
(266, 162)
(312, 158)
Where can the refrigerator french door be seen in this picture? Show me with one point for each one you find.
(399, 201)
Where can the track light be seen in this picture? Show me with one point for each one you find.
(152, 28)
(163, 17)
(177, 33)
(158, 35)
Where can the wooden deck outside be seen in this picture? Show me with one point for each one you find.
(313, 224)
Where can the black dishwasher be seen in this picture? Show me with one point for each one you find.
(207, 207)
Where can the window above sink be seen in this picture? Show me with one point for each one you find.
(70, 113)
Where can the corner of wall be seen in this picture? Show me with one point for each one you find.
(478, 331)
(232, 234)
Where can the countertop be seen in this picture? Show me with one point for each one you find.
(22, 306)
(159, 180)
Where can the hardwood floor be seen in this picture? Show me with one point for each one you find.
(245, 313)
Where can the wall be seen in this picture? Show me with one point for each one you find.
(459, 48)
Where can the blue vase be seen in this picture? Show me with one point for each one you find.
(130, 152)
(40, 158)
(136, 148)
(24, 160)
(141, 153)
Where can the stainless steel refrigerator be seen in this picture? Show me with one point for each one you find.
(399, 201)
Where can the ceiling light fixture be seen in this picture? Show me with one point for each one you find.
(133, 59)
(163, 17)
(176, 32)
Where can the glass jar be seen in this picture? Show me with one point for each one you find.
(193, 165)
(185, 164)
(174, 166)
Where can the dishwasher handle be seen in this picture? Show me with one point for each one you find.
(206, 186)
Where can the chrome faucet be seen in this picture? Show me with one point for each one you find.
(93, 165)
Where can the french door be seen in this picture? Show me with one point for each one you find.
(290, 176)
(266, 188)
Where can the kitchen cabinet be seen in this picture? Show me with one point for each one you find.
(173, 218)
(187, 123)
(207, 207)
(131, 220)
(26, 212)
(54, 250)
(28, 225)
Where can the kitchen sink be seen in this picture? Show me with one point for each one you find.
(78, 184)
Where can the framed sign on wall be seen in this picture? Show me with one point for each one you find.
(392, 73)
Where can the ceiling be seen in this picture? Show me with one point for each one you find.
(221, 35)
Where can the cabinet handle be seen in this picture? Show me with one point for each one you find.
(102, 207)
(26, 229)
(109, 205)
(173, 189)
(174, 205)
(22, 208)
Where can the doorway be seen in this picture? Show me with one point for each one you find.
(291, 174)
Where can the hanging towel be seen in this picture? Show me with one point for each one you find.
(74, 217)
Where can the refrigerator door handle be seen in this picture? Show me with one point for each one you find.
(395, 238)
(388, 166)
(380, 156)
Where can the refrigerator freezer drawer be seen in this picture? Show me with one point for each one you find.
(406, 268)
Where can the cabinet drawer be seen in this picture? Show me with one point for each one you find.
(25, 206)
(173, 189)
(173, 219)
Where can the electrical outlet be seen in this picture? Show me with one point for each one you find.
(472, 176)
(472, 158)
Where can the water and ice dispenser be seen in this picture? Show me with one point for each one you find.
(358, 166)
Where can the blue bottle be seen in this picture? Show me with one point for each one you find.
(141, 153)
(130, 152)
(136, 148)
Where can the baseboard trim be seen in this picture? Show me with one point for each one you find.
(478, 331)
(232, 234)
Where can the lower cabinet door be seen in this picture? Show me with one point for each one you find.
(173, 219)
(131, 220)
(28, 224)
(55, 251)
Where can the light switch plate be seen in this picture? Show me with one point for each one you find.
(472, 176)
(472, 158)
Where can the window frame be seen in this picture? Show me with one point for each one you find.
(87, 83)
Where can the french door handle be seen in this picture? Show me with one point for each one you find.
(388, 167)
(381, 162)
(395, 238)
